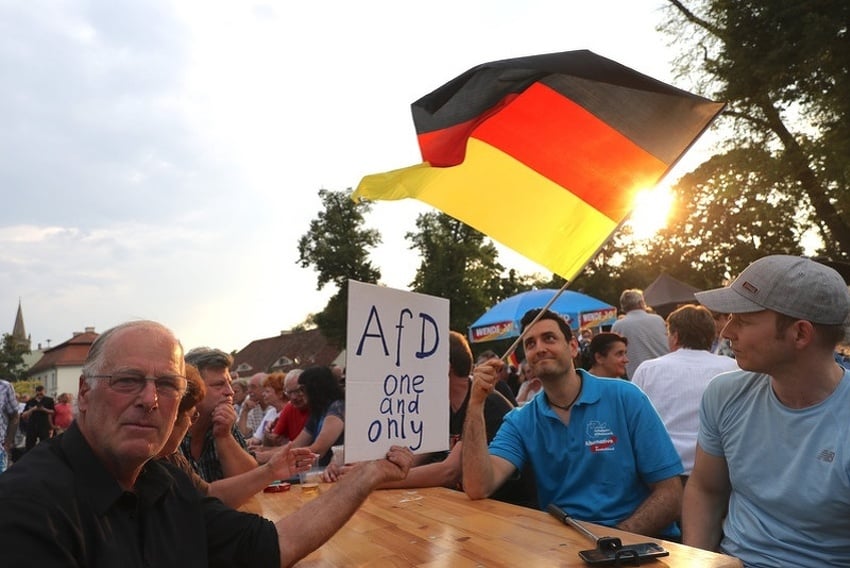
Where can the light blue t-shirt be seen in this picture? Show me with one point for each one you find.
(789, 470)
(598, 468)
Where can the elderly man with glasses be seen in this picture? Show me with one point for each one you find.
(95, 497)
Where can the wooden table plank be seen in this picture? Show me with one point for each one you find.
(438, 527)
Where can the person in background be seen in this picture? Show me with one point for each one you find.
(502, 386)
(524, 373)
(232, 491)
(213, 445)
(38, 413)
(675, 382)
(720, 345)
(607, 355)
(21, 434)
(598, 448)
(585, 337)
(295, 414)
(64, 412)
(326, 426)
(646, 332)
(240, 391)
(530, 386)
(275, 399)
(8, 422)
(253, 408)
(106, 502)
(770, 481)
(339, 373)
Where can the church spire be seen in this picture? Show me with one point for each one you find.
(19, 332)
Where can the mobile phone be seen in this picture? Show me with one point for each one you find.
(277, 487)
(629, 553)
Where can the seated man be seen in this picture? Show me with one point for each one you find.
(770, 483)
(675, 382)
(95, 496)
(598, 448)
(214, 445)
(236, 490)
(294, 415)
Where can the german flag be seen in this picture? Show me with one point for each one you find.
(563, 141)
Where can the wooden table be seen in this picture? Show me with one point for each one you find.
(440, 527)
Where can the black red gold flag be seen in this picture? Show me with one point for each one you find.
(563, 141)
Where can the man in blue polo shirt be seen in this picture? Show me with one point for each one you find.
(598, 448)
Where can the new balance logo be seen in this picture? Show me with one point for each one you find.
(826, 455)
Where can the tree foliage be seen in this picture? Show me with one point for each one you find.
(460, 263)
(12, 359)
(337, 246)
(784, 169)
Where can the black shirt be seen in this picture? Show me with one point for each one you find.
(521, 489)
(60, 507)
(38, 420)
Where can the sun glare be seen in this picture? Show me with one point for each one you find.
(652, 207)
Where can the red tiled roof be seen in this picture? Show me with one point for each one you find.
(69, 353)
(284, 352)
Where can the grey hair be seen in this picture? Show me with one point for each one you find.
(294, 373)
(632, 299)
(208, 358)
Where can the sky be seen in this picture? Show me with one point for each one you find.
(160, 159)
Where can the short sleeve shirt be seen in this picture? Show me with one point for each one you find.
(599, 467)
(314, 426)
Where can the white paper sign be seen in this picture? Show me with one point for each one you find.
(396, 372)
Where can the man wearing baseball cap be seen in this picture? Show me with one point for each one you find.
(771, 482)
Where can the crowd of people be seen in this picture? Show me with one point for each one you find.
(724, 426)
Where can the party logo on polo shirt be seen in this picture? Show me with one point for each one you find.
(599, 437)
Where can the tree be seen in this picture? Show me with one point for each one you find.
(459, 263)
(337, 247)
(12, 358)
(785, 167)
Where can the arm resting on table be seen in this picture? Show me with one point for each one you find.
(706, 501)
(661, 507)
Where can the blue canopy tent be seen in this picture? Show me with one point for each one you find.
(502, 321)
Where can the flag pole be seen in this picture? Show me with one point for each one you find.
(551, 301)
(516, 343)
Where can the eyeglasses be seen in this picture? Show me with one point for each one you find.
(169, 386)
(294, 392)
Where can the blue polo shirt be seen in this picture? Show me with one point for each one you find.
(599, 467)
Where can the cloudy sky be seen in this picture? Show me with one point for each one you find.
(160, 159)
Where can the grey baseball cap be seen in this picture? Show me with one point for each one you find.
(790, 285)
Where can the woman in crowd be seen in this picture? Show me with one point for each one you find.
(606, 355)
(275, 399)
(63, 412)
(529, 386)
(326, 426)
(232, 491)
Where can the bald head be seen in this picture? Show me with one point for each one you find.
(100, 351)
